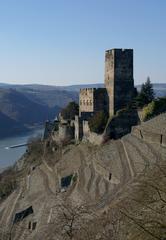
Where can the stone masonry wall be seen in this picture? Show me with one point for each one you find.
(101, 100)
(121, 124)
(119, 78)
(86, 101)
(78, 128)
(66, 132)
(109, 78)
(92, 100)
(151, 137)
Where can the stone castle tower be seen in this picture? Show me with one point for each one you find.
(119, 80)
(117, 94)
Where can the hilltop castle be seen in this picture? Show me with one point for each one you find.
(118, 93)
(119, 85)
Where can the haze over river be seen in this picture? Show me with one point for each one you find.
(9, 156)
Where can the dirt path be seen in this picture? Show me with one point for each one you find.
(92, 177)
(81, 183)
(44, 161)
(126, 173)
(140, 153)
(128, 159)
(97, 190)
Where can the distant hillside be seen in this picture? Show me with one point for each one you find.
(4, 85)
(18, 112)
(49, 96)
(159, 88)
(38, 89)
(9, 126)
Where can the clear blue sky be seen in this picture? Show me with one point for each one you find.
(62, 42)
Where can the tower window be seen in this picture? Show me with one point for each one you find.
(34, 225)
(110, 176)
(29, 225)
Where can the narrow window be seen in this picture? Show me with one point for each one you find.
(34, 225)
(110, 176)
(29, 225)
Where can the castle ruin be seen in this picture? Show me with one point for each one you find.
(119, 85)
(118, 92)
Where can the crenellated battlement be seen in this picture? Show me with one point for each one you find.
(86, 91)
(91, 100)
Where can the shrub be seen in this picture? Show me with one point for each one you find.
(75, 178)
(7, 182)
(70, 111)
(98, 122)
(35, 146)
(146, 94)
(154, 108)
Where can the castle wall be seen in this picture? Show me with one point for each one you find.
(164, 140)
(86, 100)
(78, 128)
(101, 100)
(92, 100)
(109, 78)
(92, 137)
(121, 124)
(86, 129)
(119, 78)
(151, 137)
(49, 126)
(136, 132)
(66, 132)
(96, 139)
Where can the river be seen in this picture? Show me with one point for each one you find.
(9, 156)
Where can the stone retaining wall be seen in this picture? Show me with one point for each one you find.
(151, 137)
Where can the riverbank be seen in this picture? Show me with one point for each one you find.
(9, 156)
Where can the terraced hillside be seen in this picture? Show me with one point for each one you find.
(87, 192)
